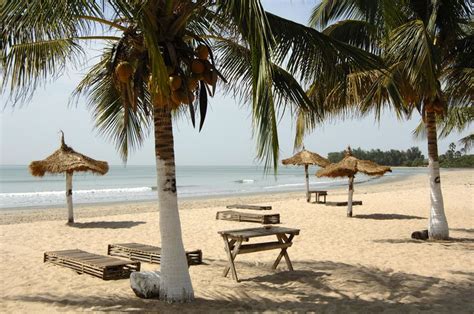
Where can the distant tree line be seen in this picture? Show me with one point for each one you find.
(411, 157)
(456, 158)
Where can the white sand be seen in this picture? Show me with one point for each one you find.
(365, 263)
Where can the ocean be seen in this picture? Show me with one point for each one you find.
(19, 189)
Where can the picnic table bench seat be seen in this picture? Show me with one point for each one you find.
(252, 207)
(343, 203)
(101, 266)
(248, 217)
(148, 253)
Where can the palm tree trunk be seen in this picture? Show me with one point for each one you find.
(307, 182)
(438, 225)
(70, 219)
(351, 192)
(175, 285)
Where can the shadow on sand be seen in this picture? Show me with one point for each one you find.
(387, 217)
(462, 230)
(106, 224)
(451, 243)
(320, 286)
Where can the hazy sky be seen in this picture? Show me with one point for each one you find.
(30, 132)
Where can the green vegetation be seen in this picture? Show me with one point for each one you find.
(411, 157)
(456, 158)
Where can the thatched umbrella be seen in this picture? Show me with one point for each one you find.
(66, 160)
(348, 167)
(306, 158)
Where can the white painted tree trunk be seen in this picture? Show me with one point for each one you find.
(70, 211)
(175, 285)
(438, 224)
(307, 182)
(351, 193)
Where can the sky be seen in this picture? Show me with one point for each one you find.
(31, 131)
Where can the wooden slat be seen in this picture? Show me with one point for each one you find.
(258, 232)
(257, 247)
(253, 207)
(247, 217)
(354, 203)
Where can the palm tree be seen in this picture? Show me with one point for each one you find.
(427, 48)
(161, 59)
(456, 119)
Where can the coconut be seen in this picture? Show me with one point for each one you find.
(192, 83)
(197, 66)
(178, 95)
(203, 52)
(124, 71)
(175, 82)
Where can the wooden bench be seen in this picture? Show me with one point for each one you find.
(354, 203)
(318, 195)
(233, 244)
(148, 253)
(104, 267)
(247, 217)
(253, 207)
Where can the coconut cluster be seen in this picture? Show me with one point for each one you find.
(183, 86)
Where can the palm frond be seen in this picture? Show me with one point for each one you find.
(456, 119)
(412, 45)
(311, 55)
(382, 13)
(31, 64)
(360, 34)
(284, 93)
(253, 26)
(328, 11)
(467, 142)
(114, 117)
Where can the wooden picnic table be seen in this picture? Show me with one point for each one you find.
(233, 244)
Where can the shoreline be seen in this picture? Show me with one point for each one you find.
(33, 214)
(53, 213)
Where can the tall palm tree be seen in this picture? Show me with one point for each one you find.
(427, 48)
(163, 58)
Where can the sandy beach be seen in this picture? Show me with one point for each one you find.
(367, 263)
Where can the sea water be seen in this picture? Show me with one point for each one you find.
(19, 189)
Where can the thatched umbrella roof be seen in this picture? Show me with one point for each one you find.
(66, 159)
(350, 165)
(306, 157)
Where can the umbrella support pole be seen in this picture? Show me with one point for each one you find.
(70, 218)
(308, 196)
(351, 192)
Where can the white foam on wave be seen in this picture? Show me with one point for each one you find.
(289, 185)
(246, 181)
(79, 192)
